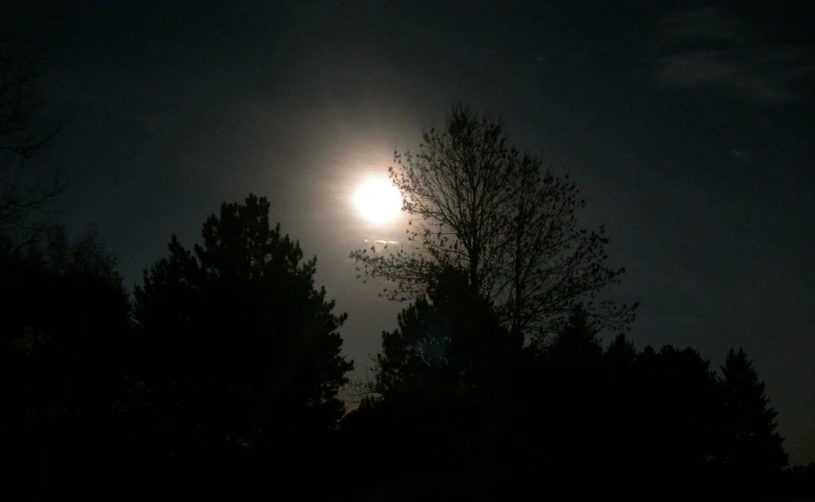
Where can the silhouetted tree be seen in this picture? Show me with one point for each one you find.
(239, 350)
(63, 382)
(577, 339)
(437, 381)
(621, 351)
(798, 482)
(443, 342)
(480, 205)
(557, 423)
(622, 419)
(24, 134)
(751, 452)
(676, 417)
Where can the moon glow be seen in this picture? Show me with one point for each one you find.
(378, 201)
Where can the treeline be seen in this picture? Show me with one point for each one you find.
(569, 420)
(219, 377)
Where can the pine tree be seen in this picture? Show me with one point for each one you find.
(240, 347)
(751, 451)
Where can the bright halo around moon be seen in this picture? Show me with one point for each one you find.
(378, 201)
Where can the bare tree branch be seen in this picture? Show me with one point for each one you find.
(480, 205)
(24, 136)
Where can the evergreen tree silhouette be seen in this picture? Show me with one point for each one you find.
(437, 384)
(238, 350)
(751, 452)
(444, 342)
(676, 417)
(560, 418)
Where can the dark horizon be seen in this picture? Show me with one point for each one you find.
(688, 128)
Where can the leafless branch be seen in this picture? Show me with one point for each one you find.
(24, 136)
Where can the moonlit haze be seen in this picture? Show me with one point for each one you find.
(378, 201)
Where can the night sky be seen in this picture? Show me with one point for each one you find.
(689, 127)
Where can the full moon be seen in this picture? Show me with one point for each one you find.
(378, 201)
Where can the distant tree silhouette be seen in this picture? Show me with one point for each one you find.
(751, 452)
(436, 381)
(676, 409)
(442, 344)
(239, 350)
(62, 348)
(557, 425)
(24, 134)
(480, 205)
(622, 420)
(621, 351)
(577, 338)
(566, 416)
(798, 482)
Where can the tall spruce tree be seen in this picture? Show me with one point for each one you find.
(750, 449)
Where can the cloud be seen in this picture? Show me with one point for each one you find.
(379, 241)
(709, 47)
(704, 23)
(740, 155)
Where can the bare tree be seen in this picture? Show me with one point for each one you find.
(481, 205)
(25, 187)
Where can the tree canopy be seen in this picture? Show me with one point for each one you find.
(479, 204)
(238, 344)
(443, 342)
(25, 132)
(750, 448)
(62, 379)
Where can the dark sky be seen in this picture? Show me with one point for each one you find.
(689, 127)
